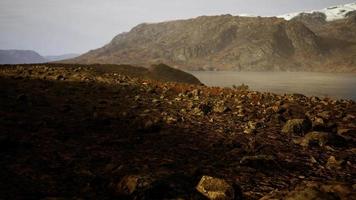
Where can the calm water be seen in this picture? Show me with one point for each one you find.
(336, 85)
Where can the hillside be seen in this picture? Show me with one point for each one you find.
(236, 43)
(73, 132)
(20, 57)
(160, 72)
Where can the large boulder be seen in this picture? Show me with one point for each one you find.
(297, 127)
(133, 184)
(314, 138)
(215, 188)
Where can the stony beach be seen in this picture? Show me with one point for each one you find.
(79, 133)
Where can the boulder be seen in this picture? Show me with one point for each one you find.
(215, 188)
(333, 163)
(314, 138)
(220, 107)
(133, 184)
(297, 127)
(315, 191)
(258, 161)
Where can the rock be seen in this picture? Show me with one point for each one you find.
(60, 78)
(197, 112)
(347, 134)
(220, 107)
(215, 188)
(349, 117)
(314, 99)
(251, 127)
(133, 184)
(315, 191)
(333, 163)
(170, 120)
(249, 131)
(318, 123)
(309, 193)
(297, 126)
(194, 93)
(292, 110)
(314, 138)
(258, 160)
(205, 108)
(325, 115)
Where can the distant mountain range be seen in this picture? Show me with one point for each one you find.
(20, 57)
(314, 41)
(29, 56)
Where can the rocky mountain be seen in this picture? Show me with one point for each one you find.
(20, 57)
(237, 43)
(61, 57)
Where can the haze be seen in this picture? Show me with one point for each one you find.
(53, 27)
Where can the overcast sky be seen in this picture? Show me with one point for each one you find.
(53, 27)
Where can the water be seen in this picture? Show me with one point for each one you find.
(334, 85)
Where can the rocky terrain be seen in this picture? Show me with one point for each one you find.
(74, 132)
(308, 42)
(159, 72)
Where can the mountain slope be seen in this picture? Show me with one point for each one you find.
(20, 57)
(233, 43)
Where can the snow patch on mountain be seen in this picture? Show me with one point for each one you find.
(332, 13)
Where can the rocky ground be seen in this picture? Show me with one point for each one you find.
(73, 133)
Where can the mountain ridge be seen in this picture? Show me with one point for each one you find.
(20, 57)
(229, 42)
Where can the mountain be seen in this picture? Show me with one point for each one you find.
(20, 57)
(61, 57)
(229, 42)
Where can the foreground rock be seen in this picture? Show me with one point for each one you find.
(316, 191)
(130, 185)
(315, 138)
(296, 127)
(215, 188)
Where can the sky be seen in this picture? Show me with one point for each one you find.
(54, 27)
